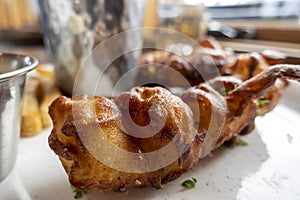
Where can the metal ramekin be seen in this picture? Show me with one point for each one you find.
(13, 70)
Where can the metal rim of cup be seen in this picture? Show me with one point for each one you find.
(30, 64)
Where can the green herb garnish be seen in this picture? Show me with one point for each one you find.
(78, 193)
(190, 183)
(225, 91)
(262, 102)
(242, 142)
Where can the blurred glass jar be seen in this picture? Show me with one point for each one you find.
(185, 16)
(73, 28)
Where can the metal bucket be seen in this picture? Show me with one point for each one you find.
(13, 70)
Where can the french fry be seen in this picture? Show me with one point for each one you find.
(31, 117)
(47, 93)
(40, 91)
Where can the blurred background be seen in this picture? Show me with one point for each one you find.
(252, 22)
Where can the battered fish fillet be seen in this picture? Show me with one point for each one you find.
(148, 136)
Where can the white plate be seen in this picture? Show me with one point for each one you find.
(268, 168)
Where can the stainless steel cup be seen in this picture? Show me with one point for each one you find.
(13, 70)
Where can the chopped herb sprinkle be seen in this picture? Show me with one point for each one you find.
(78, 193)
(190, 183)
(262, 102)
(194, 179)
(225, 91)
(241, 142)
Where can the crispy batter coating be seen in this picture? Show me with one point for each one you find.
(200, 121)
(111, 115)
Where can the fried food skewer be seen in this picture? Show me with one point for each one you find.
(220, 117)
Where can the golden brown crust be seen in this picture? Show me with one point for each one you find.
(86, 172)
(220, 117)
(246, 66)
(174, 70)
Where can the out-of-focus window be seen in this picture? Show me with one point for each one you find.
(274, 9)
